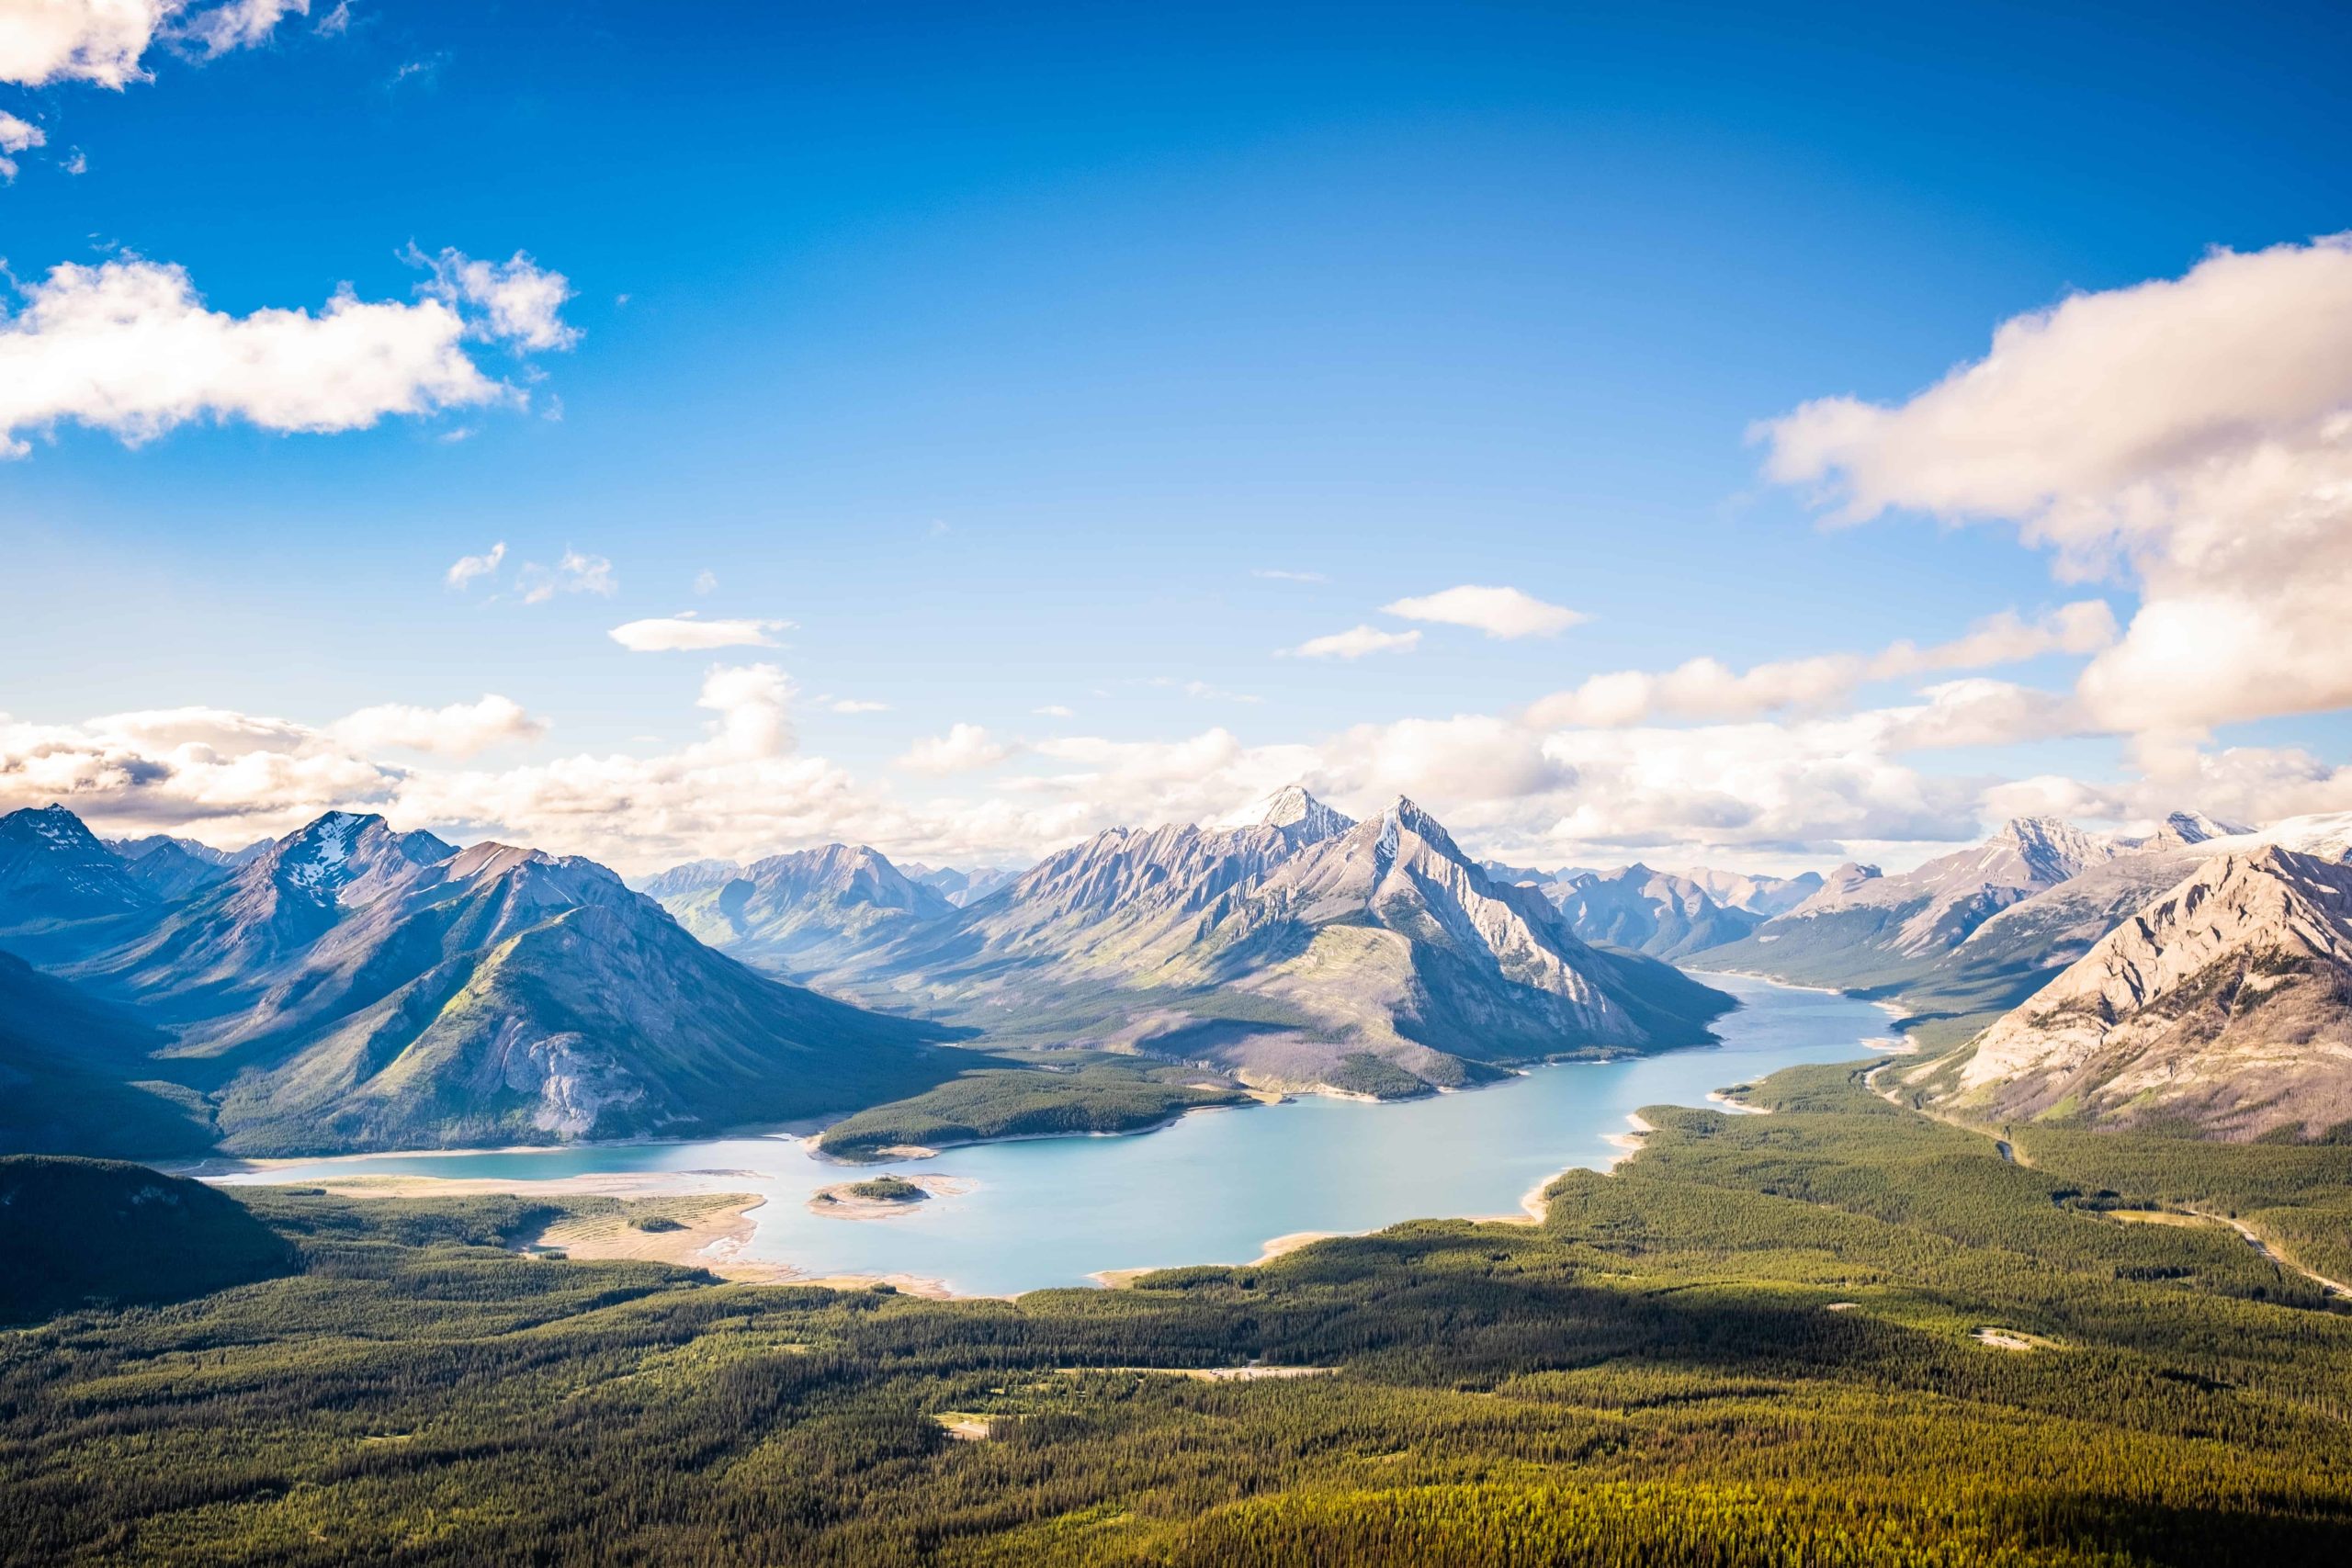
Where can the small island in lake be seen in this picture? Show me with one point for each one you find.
(887, 1189)
(881, 1197)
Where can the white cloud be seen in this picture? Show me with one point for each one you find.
(1274, 575)
(465, 568)
(706, 580)
(685, 633)
(1706, 689)
(182, 768)
(572, 573)
(103, 41)
(1752, 793)
(1054, 710)
(239, 23)
(2084, 627)
(16, 136)
(1497, 612)
(857, 705)
(964, 749)
(519, 300)
(1354, 643)
(99, 41)
(2193, 434)
(128, 348)
(459, 730)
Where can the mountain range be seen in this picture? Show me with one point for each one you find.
(354, 987)
(1861, 929)
(350, 986)
(1298, 951)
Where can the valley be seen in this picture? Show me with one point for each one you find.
(1037, 1211)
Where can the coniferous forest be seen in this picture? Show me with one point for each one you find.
(1837, 1334)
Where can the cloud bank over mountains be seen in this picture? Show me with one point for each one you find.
(2183, 445)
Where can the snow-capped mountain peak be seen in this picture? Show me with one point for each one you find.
(1292, 808)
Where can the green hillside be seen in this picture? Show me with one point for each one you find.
(75, 1077)
(83, 1231)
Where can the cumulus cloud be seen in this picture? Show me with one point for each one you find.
(229, 777)
(465, 568)
(103, 42)
(1497, 612)
(966, 747)
(688, 632)
(1354, 643)
(1707, 689)
(128, 348)
(573, 573)
(459, 730)
(99, 42)
(2192, 434)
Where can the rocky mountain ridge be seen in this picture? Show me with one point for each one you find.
(2225, 1003)
(355, 987)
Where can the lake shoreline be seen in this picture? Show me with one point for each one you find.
(1052, 1217)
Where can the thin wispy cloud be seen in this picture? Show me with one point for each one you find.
(966, 747)
(16, 136)
(1271, 574)
(465, 569)
(1354, 643)
(688, 632)
(1505, 613)
(573, 573)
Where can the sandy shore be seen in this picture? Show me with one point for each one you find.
(1281, 1245)
(603, 1184)
(840, 1201)
(1630, 1141)
(702, 1231)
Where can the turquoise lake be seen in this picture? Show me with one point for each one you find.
(1215, 1187)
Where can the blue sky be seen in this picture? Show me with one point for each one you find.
(996, 351)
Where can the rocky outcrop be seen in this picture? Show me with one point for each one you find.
(2225, 1005)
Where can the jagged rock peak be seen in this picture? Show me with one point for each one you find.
(1405, 817)
(1292, 806)
(2185, 828)
(2054, 850)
